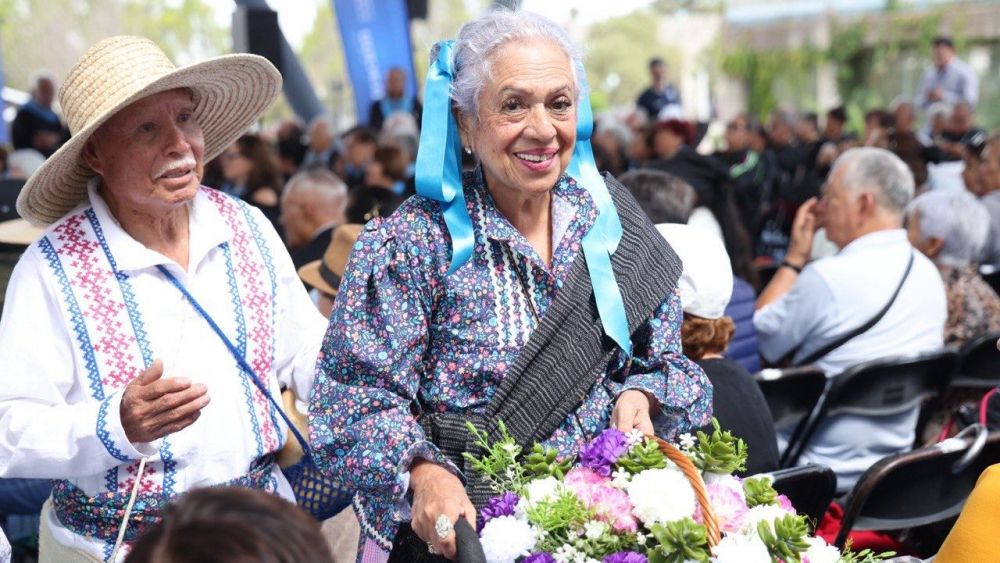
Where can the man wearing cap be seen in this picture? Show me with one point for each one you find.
(114, 383)
(950, 80)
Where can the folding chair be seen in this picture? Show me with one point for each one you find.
(877, 388)
(979, 363)
(791, 394)
(925, 488)
(810, 488)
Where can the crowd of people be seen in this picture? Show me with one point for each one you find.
(419, 303)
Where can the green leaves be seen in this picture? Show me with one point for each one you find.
(787, 539)
(543, 462)
(759, 492)
(641, 457)
(560, 517)
(679, 541)
(499, 462)
(720, 452)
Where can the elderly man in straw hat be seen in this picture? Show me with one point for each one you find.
(114, 384)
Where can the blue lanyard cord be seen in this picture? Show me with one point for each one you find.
(236, 354)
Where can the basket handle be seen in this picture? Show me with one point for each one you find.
(698, 484)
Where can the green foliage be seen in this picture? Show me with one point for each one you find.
(560, 517)
(762, 70)
(679, 541)
(544, 462)
(787, 539)
(759, 492)
(641, 457)
(499, 460)
(622, 46)
(720, 452)
(865, 556)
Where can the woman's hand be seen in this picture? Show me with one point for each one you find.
(437, 491)
(632, 411)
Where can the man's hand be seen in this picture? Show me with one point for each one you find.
(153, 407)
(803, 230)
(632, 412)
(436, 492)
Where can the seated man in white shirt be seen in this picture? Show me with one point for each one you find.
(108, 365)
(807, 306)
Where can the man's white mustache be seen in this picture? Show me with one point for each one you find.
(184, 163)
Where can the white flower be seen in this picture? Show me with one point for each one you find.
(820, 552)
(541, 490)
(687, 441)
(634, 438)
(620, 478)
(640, 538)
(510, 448)
(594, 529)
(736, 548)
(506, 538)
(565, 554)
(765, 513)
(661, 495)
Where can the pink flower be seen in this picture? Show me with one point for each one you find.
(596, 492)
(726, 497)
(786, 504)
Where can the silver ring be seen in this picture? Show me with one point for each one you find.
(443, 527)
(430, 548)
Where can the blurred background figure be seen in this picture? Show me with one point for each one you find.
(661, 94)
(320, 140)
(951, 228)
(23, 163)
(324, 274)
(395, 100)
(950, 80)
(251, 173)
(312, 206)
(705, 287)
(359, 150)
(37, 126)
(384, 188)
(232, 525)
(291, 151)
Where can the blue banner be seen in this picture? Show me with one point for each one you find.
(376, 37)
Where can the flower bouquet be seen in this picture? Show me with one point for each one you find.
(628, 498)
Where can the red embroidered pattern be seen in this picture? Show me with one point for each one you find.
(255, 294)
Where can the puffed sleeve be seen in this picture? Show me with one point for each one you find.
(660, 368)
(362, 424)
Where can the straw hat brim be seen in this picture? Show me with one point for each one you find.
(19, 232)
(232, 92)
(310, 274)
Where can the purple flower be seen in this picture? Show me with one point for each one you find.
(539, 558)
(502, 505)
(625, 557)
(603, 451)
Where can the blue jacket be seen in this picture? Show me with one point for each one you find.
(743, 347)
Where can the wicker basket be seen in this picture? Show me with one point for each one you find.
(698, 484)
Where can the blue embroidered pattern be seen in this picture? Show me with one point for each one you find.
(76, 318)
(104, 435)
(241, 339)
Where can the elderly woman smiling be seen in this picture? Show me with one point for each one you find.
(477, 304)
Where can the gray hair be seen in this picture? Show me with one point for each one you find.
(663, 196)
(958, 219)
(881, 171)
(22, 163)
(324, 188)
(479, 39)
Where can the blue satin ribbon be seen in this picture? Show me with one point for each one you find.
(601, 241)
(439, 160)
(439, 177)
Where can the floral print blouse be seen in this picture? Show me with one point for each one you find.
(406, 338)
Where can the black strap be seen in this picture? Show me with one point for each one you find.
(568, 350)
(840, 341)
(239, 357)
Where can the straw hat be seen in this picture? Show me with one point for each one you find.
(230, 91)
(19, 232)
(325, 274)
